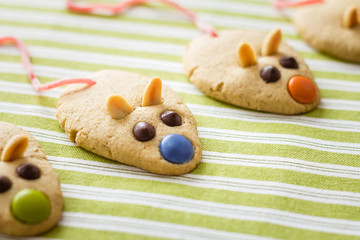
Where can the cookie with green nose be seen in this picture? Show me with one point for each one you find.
(30, 193)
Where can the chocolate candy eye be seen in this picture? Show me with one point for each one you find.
(270, 74)
(144, 131)
(289, 62)
(5, 184)
(171, 118)
(28, 171)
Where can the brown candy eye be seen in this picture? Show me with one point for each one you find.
(5, 184)
(289, 62)
(171, 118)
(28, 171)
(270, 74)
(144, 131)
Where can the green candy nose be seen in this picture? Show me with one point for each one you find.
(30, 206)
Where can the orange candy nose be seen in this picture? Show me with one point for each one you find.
(302, 89)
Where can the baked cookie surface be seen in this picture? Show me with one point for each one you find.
(30, 196)
(332, 27)
(252, 70)
(132, 119)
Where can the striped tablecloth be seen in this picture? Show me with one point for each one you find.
(262, 176)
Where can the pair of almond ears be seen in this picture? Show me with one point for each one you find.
(118, 107)
(270, 46)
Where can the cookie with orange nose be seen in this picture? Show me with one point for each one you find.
(252, 70)
(30, 196)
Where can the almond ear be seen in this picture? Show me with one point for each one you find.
(14, 148)
(246, 55)
(271, 43)
(152, 93)
(117, 106)
(351, 17)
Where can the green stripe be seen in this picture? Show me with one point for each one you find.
(28, 99)
(335, 94)
(278, 128)
(336, 75)
(191, 219)
(202, 194)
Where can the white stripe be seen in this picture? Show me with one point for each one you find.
(44, 71)
(338, 104)
(223, 134)
(152, 64)
(260, 161)
(95, 23)
(98, 58)
(175, 231)
(207, 208)
(111, 42)
(49, 136)
(211, 182)
(331, 66)
(145, 14)
(218, 112)
(339, 85)
(283, 139)
(147, 227)
(92, 40)
(234, 7)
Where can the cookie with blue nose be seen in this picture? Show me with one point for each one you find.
(132, 119)
(30, 196)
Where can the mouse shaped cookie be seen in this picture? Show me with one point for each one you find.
(332, 27)
(252, 70)
(132, 119)
(30, 196)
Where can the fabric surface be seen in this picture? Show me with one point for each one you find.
(262, 176)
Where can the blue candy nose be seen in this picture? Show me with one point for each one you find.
(176, 148)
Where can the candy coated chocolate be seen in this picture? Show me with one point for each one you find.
(28, 171)
(289, 62)
(176, 148)
(30, 206)
(144, 131)
(270, 74)
(5, 184)
(302, 89)
(171, 118)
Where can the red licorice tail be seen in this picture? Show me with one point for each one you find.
(287, 3)
(120, 7)
(25, 58)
